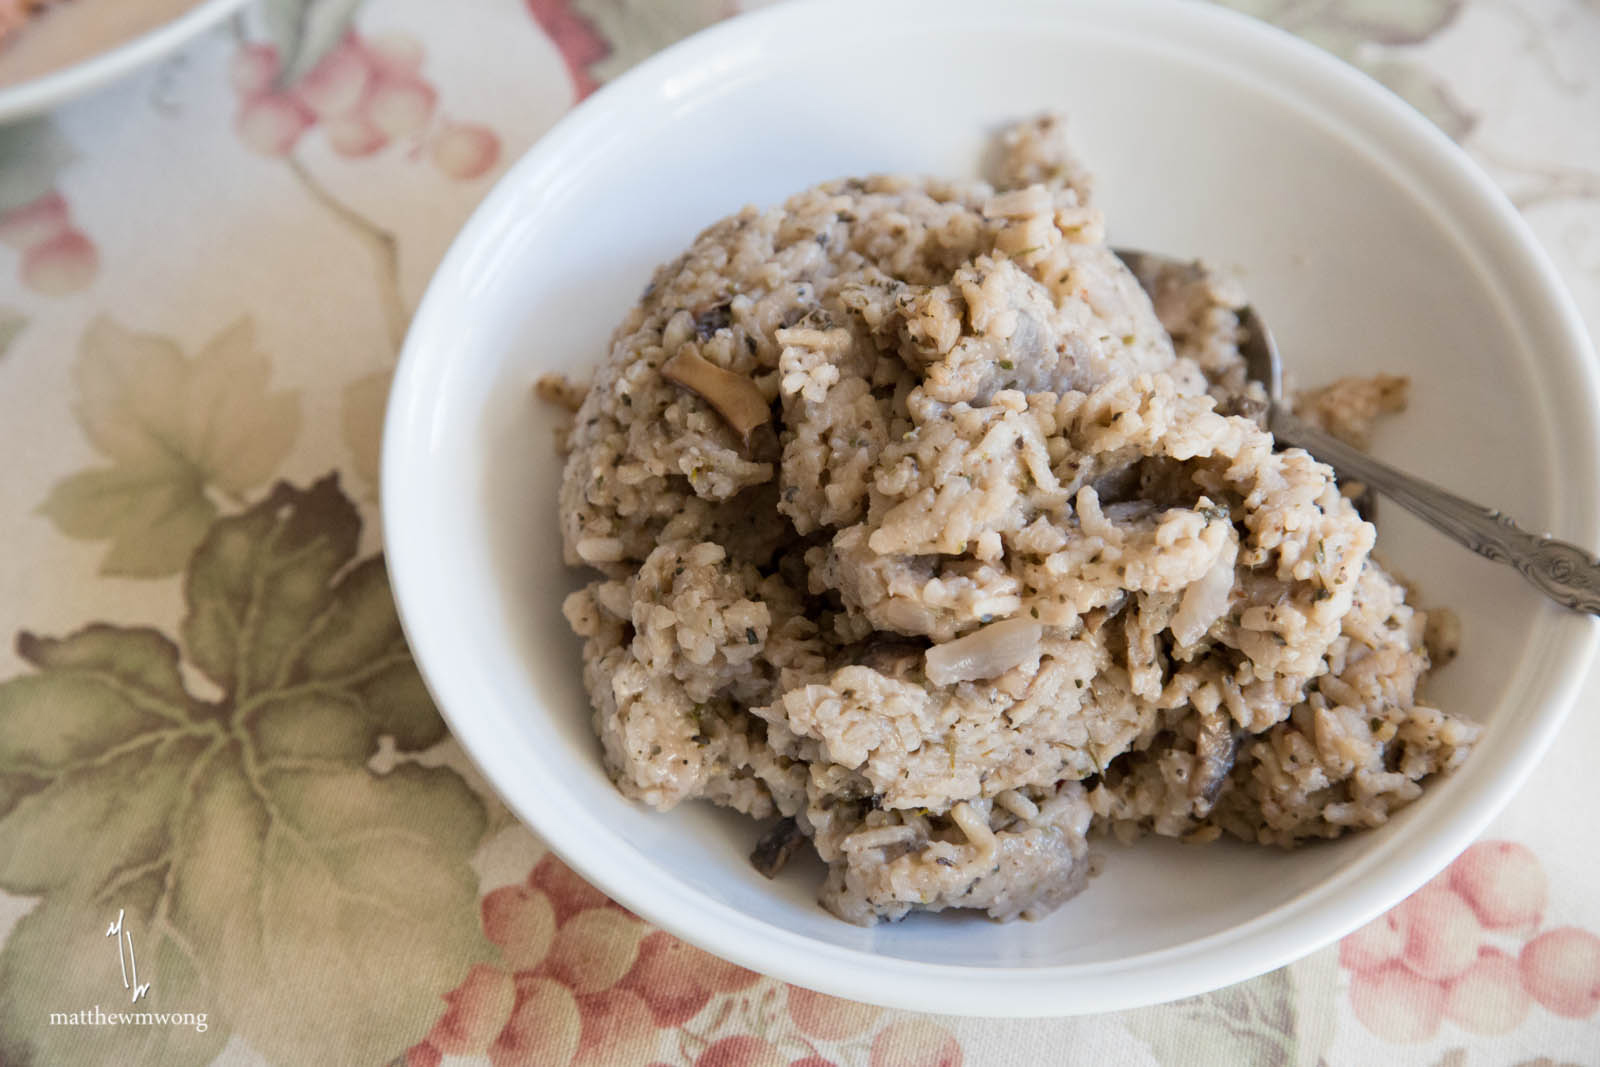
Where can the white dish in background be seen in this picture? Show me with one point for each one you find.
(80, 45)
(1368, 241)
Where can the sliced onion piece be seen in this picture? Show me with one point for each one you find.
(1206, 600)
(984, 653)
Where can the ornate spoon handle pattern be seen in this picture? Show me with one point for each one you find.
(1565, 572)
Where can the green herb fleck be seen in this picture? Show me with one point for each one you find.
(750, 635)
(1006, 364)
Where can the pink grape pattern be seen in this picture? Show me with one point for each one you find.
(57, 259)
(575, 37)
(915, 1042)
(1561, 969)
(1466, 950)
(582, 982)
(829, 1018)
(741, 1050)
(1488, 997)
(366, 95)
(1503, 883)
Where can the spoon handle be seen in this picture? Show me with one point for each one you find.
(1564, 572)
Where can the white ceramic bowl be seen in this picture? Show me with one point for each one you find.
(1369, 242)
(78, 47)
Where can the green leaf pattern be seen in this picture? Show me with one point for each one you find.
(263, 865)
(304, 31)
(178, 432)
(1254, 1023)
(1373, 35)
(32, 154)
(637, 29)
(12, 323)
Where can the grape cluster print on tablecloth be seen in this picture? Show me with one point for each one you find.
(366, 94)
(1468, 948)
(57, 258)
(581, 982)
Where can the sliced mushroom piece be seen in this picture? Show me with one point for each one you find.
(1215, 750)
(890, 655)
(1117, 484)
(775, 847)
(709, 318)
(984, 653)
(735, 397)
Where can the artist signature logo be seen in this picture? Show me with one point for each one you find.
(127, 962)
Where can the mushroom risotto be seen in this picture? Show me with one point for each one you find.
(930, 534)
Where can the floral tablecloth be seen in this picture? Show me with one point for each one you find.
(233, 828)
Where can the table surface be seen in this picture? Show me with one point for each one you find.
(202, 291)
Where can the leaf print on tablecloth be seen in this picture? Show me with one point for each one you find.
(1259, 1022)
(1341, 25)
(635, 30)
(303, 31)
(32, 155)
(12, 323)
(361, 408)
(600, 39)
(1362, 31)
(269, 878)
(177, 431)
(1417, 87)
(1316, 980)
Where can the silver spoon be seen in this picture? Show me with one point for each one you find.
(1563, 572)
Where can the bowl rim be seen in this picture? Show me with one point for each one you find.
(63, 84)
(1268, 941)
